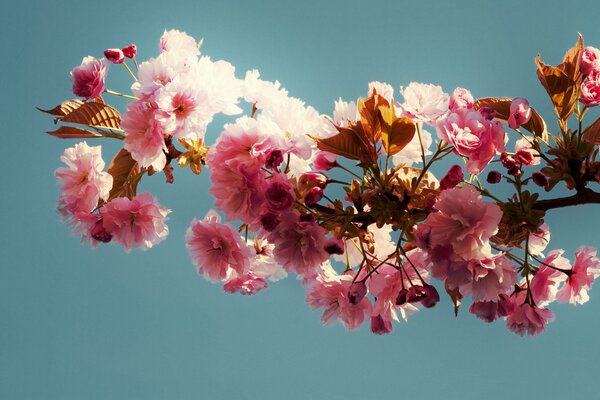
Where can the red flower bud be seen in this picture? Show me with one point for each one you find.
(129, 51)
(357, 292)
(539, 179)
(115, 56)
(494, 177)
(453, 177)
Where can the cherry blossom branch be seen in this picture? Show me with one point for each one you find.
(583, 196)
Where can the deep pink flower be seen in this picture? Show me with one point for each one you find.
(462, 221)
(453, 177)
(216, 248)
(520, 113)
(246, 285)
(83, 181)
(88, 78)
(329, 291)
(129, 51)
(489, 311)
(523, 146)
(145, 140)
(279, 193)
(590, 90)
(313, 196)
(461, 98)
(530, 320)
(492, 277)
(299, 245)
(139, 222)
(586, 269)
(472, 136)
(115, 56)
(590, 60)
(324, 161)
(380, 325)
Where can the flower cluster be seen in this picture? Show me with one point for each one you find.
(396, 236)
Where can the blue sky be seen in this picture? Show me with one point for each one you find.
(101, 324)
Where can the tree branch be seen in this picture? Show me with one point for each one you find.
(583, 196)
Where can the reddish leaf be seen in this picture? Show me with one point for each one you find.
(69, 132)
(123, 169)
(401, 133)
(591, 134)
(64, 108)
(94, 114)
(345, 144)
(370, 115)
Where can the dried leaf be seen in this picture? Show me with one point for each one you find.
(370, 115)
(401, 133)
(536, 125)
(346, 143)
(95, 114)
(123, 168)
(70, 132)
(456, 297)
(64, 108)
(591, 134)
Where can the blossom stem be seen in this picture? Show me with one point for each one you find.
(120, 94)
(130, 71)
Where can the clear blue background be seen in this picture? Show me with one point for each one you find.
(78, 323)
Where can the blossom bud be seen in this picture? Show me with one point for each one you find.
(461, 98)
(89, 78)
(401, 298)
(487, 113)
(99, 232)
(494, 177)
(539, 179)
(274, 159)
(453, 177)
(506, 305)
(357, 292)
(269, 221)
(524, 157)
(115, 56)
(508, 162)
(485, 310)
(312, 179)
(379, 326)
(520, 112)
(431, 298)
(307, 218)
(334, 246)
(416, 293)
(324, 161)
(313, 196)
(129, 51)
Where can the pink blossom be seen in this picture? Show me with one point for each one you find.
(424, 102)
(330, 292)
(590, 90)
(263, 264)
(157, 72)
(492, 277)
(489, 311)
(539, 239)
(528, 319)
(453, 177)
(586, 269)
(522, 146)
(590, 60)
(544, 284)
(383, 89)
(279, 193)
(177, 41)
(115, 56)
(472, 136)
(145, 140)
(245, 284)
(216, 248)
(520, 112)
(462, 221)
(383, 246)
(88, 78)
(299, 245)
(137, 222)
(261, 94)
(461, 98)
(324, 161)
(83, 181)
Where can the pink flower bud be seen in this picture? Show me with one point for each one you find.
(487, 113)
(88, 78)
(380, 326)
(494, 177)
(129, 51)
(115, 56)
(312, 179)
(453, 177)
(324, 161)
(485, 310)
(416, 293)
(313, 196)
(334, 246)
(99, 232)
(461, 98)
(274, 159)
(524, 157)
(431, 297)
(520, 112)
(402, 297)
(357, 292)
(590, 60)
(539, 179)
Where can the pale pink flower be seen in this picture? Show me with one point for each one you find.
(216, 248)
(522, 146)
(345, 113)
(157, 72)
(586, 269)
(144, 138)
(545, 282)
(492, 277)
(83, 181)
(472, 136)
(137, 222)
(590, 90)
(462, 221)
(520, 112)
(89, 78)
(299, 245)
(461, 98)
(530, 320)
(262, 94)
(383, 246)
(245, 284)
(177, 41)
(589, 61)
(539, 239)
(330, 292)
(263, 265)
(424, 102)
(412, 154)
(385, 286)
(383, 89)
